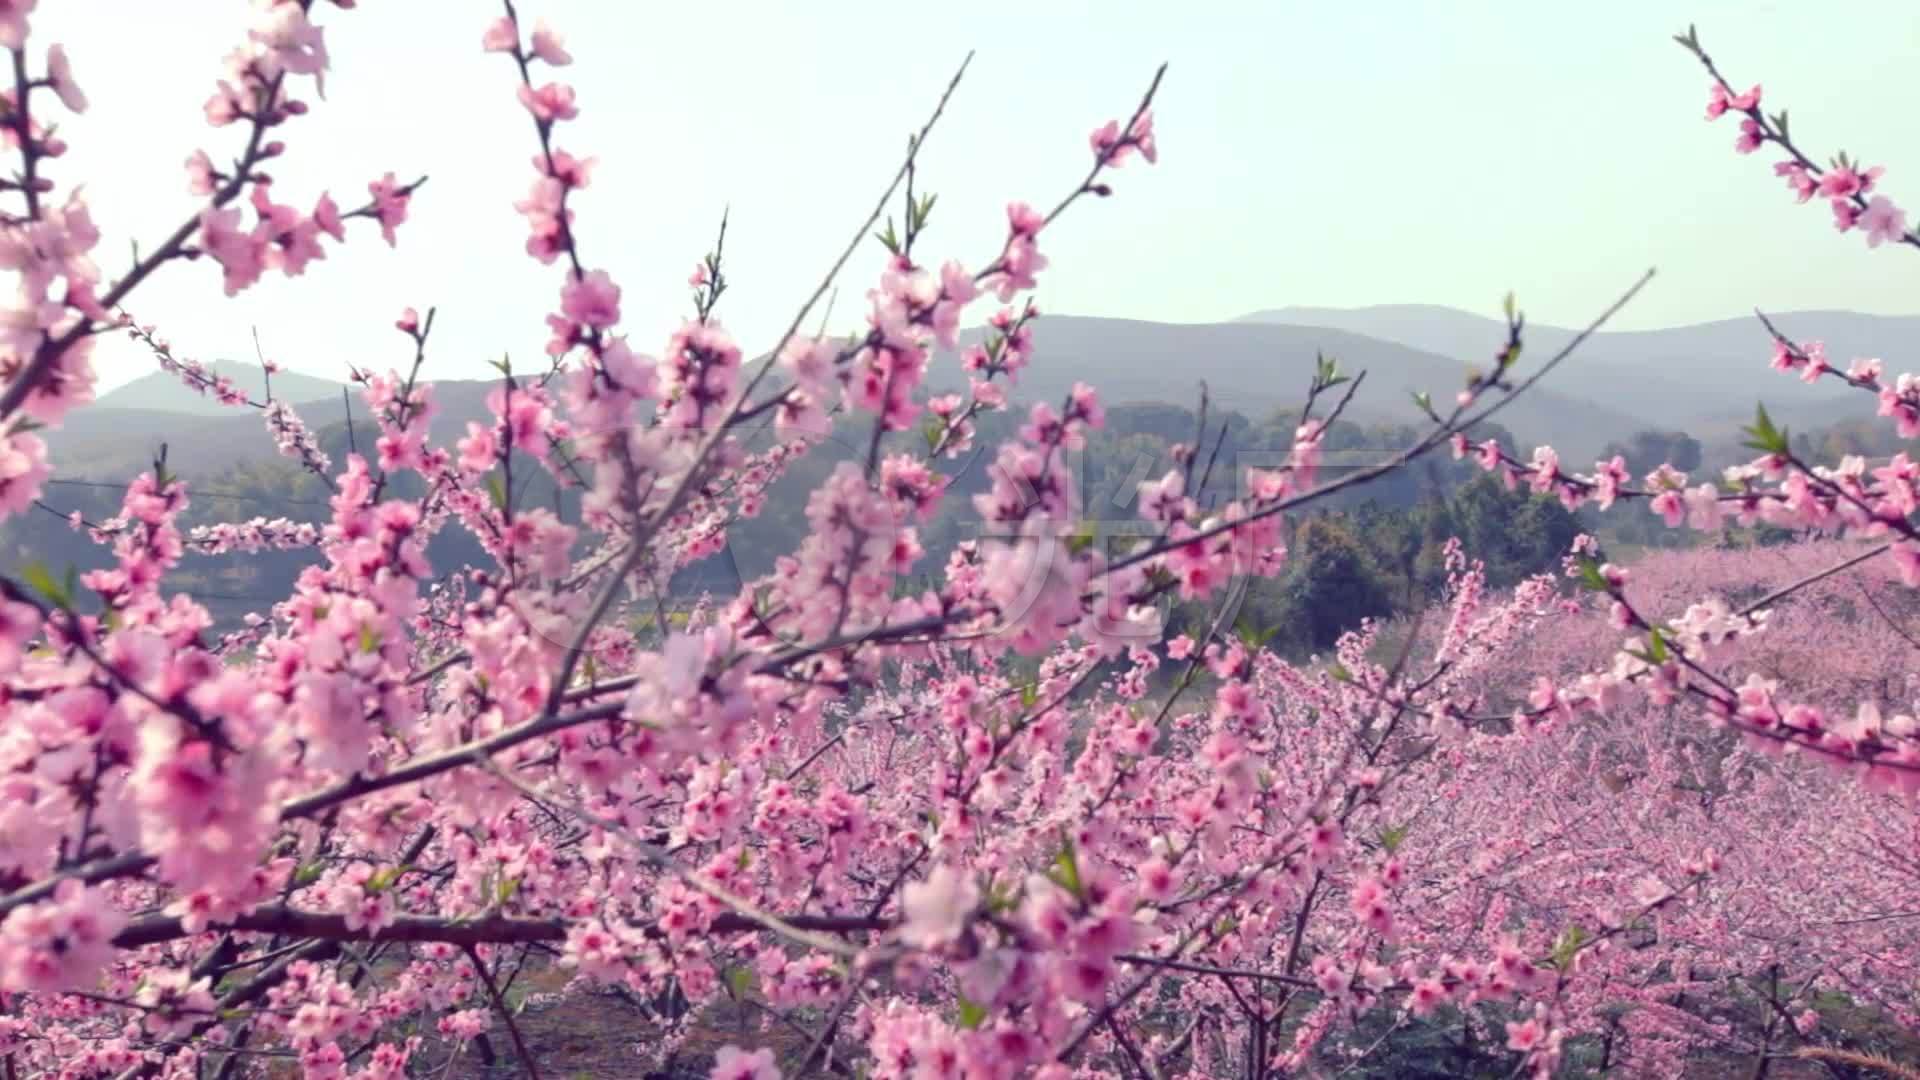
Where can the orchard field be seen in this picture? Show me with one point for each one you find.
(1448, 757)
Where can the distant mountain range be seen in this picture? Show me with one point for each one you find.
(1685, 377)
(115, 437)
(1257, 367)
(1703, 379)
(164, 392)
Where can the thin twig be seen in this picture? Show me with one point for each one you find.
(500, 1005)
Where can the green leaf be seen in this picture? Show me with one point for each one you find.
(307, 874)
(971, 1014)
(1763, 436)
(923, 211)
(1327, 374)
(1029, 694)
(1568, 946)
(934, 429)
(1066, 868)
(57, 594)
(741, 980)
(497, 487)
(1338, 672)
(384, 878)
(369, 641)
(1252, 635)
(1392, 836)
(1657, 646)
(505, 890)
(1590, 576)
(1082, 538)
(746, 858)
(1507, 306)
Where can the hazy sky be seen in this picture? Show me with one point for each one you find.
(1312, 153)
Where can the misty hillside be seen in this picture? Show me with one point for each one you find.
(103, 440)
(1705, 375)
(1704, 379)
(164, 392)
(1251, 368)
(1255, 368)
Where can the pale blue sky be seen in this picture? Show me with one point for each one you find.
(1312, 153)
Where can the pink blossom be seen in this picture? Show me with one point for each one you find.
(1703, 507)
(592, 301)
(935, 910)
(1843, 181)
(1716, 101)
(1110, 146)
(572, 172)
(549, 103)
(390, 205)
(1428, 995)
(733, 1063)
(13, 22)
(326, 217)
(60, 75)
(1797, 178)
(1883, 221)
(1024, 220)
(61, 943)
(23, 469)
(501, 36)
(200, 173)
(465, 1025)
(239, 252)
(1525, 1037)
(549, 46)
(18, 624)
(291, 43)
(174, 1001)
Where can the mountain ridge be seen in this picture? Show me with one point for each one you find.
(163, 391)
(1700, 378)
(1696, 373)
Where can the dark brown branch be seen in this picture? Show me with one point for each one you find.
(495, 929)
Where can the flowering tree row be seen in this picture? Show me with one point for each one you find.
(338, 836)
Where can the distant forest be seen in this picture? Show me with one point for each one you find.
(1369, 552)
